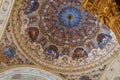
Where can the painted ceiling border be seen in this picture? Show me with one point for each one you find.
(6, 7)
(30, 66)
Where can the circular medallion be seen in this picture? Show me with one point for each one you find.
(69, 17)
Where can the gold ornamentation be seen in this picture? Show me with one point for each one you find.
(107, 12)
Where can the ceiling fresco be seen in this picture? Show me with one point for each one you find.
(58, 36)
(64, 36)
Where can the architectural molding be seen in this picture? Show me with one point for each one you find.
(26, 69)
(6, 7)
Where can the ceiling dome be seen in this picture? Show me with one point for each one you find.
(67, 23)
(61, 34)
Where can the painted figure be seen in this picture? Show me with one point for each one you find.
(103, 39)
(9, 51)
(33, 6)
(52, 52)
(32, 32)
(79, 53)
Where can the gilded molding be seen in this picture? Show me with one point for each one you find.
(107, 12)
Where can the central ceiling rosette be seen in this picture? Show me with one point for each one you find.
(70, 17)
(68, 23)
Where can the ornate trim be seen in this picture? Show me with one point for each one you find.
(6, 7)
(31, 66)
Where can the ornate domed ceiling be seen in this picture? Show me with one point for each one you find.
(61, 34)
